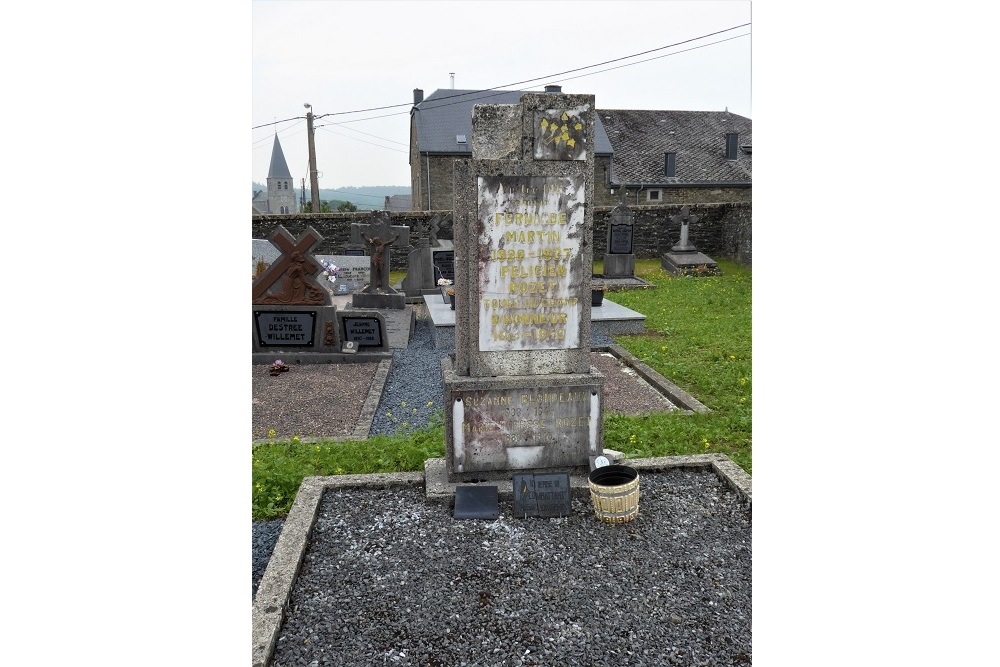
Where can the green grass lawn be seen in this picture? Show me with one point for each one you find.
(697, 334)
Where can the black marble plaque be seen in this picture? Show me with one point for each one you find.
(355, 252)
(544, 495)
(621, 239)
(477, 502)
(285, 328)
(364, 331)
(445, 261)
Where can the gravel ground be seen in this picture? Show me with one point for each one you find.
(544, 593)
(398, 581)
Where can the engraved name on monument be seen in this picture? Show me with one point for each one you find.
(529, 235)
(524, 427)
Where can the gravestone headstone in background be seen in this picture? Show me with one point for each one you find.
(619, 260)
(380, 236)
(292, 310)
(352, 275)
(684, 258)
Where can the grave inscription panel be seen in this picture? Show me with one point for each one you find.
(621, 239)
(530, 270)
(521, 428)
(363, 331)
(285, 328)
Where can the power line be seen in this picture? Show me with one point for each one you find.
(517, 83)
(347, 136)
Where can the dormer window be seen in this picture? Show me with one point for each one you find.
(670, 165)
(732, 144)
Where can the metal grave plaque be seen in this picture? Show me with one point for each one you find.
(477, 502)
(364, 331)
(285, 328)
(543, 495)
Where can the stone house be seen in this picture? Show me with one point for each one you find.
(640, 157)
(679, 157)
(441, 132)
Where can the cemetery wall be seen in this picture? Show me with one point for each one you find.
(442, 183)
(722, 230)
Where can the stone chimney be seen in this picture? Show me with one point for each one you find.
(552, 88)
(418, 96)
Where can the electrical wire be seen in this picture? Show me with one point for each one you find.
(517, 83)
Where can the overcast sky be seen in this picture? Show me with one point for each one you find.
(351, 56)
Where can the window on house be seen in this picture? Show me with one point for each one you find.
(670, 165)
(653, 195)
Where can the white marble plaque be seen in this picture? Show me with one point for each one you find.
(530, 270)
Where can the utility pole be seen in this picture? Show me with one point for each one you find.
(313, 178)
(302, 198)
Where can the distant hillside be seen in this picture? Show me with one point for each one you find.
(365, 197)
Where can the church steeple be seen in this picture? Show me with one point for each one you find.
(280, 189)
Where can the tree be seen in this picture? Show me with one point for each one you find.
(347, 207)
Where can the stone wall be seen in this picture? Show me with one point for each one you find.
(442, 170)
(722, 230)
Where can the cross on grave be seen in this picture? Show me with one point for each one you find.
(295, 268)
(378, 236)
(684, 217)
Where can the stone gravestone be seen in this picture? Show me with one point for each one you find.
(353, 273)
(380, 236)
(619, 258)
(420, 262)
(292, 310)
(684, 258)
(264, 251)
(520, 394)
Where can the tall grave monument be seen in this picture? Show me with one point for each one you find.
(520, 393)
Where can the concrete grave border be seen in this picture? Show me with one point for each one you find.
(275, 589)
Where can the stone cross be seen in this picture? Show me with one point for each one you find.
(378, 236)
(295, 268)
(684, 217)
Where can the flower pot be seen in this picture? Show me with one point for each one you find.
(596, 297)
(444, 294)
(451, 297)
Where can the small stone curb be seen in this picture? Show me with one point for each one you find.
(364, 425)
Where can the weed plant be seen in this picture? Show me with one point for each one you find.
(697, 334)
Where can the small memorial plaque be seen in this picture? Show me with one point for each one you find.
(445, 261)
(363, 331)
(544, 495)
(477, 502)
(285, 328)
(349, 347)
(621, 239)
(354, 252)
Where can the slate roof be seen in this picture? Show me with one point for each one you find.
(640, 139)
(446, 113)
(260, 203)
(278, 168)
